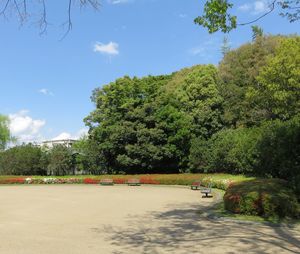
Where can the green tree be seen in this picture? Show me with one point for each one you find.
(87, 156)
(238, 71)
(277, 91)
(257, 32)
(225, 48)
(145, 125)
(22, 160)
(61, 161)
(4, 132)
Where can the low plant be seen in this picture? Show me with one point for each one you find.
(263, 197)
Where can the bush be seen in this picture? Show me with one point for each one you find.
(267, 198)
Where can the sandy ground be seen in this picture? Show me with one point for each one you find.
(88, 219)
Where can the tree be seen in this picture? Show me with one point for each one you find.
(88, 159)
(146, 125)
(225, 48)
(217, 15)
(22, 160)
(238, 71)
(256, 32)
(4, 132)
(277, 90)
(61, 161)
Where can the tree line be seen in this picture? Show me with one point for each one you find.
(241, 116)
(155, 124)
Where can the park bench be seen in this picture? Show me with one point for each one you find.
(134, 182)
(196, 186)
(106, 182)
(207, 190)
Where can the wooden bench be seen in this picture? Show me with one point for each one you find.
(196, 186)
(106, 182)
(207, 190)
(134, 182)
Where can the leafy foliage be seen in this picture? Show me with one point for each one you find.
(60, 160)
(238, 72)
(216, 16)
(87, 156)
(145, 125)
(277, 91)
(267, 198)
(229, 150)
(22, 160)
(4, 132)
(271, 150)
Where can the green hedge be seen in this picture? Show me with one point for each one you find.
(265, 197)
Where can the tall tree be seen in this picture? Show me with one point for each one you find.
(145, 125)
(238, 71)
(4, 132)
(256, 32)
(225, 48)
(277, 91)
(61, 161)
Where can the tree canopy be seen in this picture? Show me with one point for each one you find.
(202, 118)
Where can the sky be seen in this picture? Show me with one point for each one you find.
(46, 81)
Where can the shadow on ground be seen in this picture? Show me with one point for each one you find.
(183, 230)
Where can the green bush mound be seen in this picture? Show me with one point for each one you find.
(263, 197)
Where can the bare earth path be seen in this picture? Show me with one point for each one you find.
(71, 219)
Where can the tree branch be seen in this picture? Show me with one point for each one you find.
(272, 8)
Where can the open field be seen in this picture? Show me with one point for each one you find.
(63, 219)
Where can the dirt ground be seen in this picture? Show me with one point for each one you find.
(89, 219)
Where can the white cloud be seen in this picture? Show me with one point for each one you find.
(256, 7)
(182, 15)
(197, 50)
(25, 128)
(245, 7)
(119, 1)
(260, 7)
(45, 91)
(111, 48)
(205, 48)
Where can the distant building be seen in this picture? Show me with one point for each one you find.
(52, 143)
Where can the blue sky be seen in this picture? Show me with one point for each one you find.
(46, 83)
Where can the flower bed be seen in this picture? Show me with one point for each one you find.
(220, 181)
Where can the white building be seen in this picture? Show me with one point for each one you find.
(52, 143)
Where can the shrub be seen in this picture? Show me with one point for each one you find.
(265, 197)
